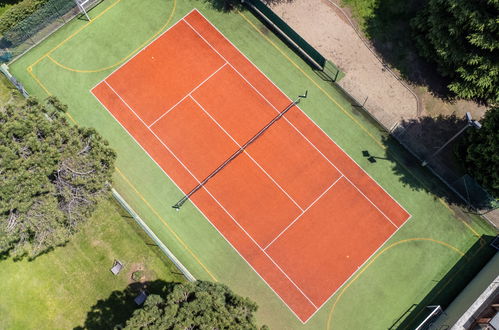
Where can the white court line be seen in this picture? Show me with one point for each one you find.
(188, 94)
(204, 187)
(247, 153)
(143, 48)
(258, 69)
(304, 211)
(199, 210)
(272, 105)
(311, 120)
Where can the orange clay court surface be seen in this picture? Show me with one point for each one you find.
(302, 213)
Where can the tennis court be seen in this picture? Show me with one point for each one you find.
(297, 208)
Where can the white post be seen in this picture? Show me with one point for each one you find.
(82, 9)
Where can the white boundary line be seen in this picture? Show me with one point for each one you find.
(311, 120)
(143, 48)
(376, 182)
(304, 211)
(258, 69)
(187, 95)
(277, 110)
(246, 152)
(118, 68)
(213, 197)
(195, 205)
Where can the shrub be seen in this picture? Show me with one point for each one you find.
(18, 12)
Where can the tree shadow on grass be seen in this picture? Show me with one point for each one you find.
(423, 136)
(450, 285)
(6, 254)
(229, 5)
(113, 311)
(224, 6)
(411, 174)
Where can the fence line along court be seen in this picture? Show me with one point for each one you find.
(296, 207)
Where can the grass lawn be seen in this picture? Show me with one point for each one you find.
(56, 290)
(8, 93)
(402, 274)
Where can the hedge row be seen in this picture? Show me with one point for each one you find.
(18, 12)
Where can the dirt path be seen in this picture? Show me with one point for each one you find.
(327, 29)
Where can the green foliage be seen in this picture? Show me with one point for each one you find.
(462, 37)
(18, 12)
(199, 305)
(137, 275)
(224, 5)
(6, 4)
(52, 175)
(479, 151)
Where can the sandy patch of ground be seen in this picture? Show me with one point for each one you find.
(367, 80)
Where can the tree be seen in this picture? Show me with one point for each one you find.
(462, 37)
(479, 151)
(52, 175)
(198, 305)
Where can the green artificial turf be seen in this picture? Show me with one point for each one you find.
(59, 288)
(428, 247)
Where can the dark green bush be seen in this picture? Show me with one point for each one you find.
(18, 12)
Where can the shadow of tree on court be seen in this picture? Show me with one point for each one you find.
(113, 311)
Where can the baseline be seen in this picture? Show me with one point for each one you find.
(284, 294)
(277, 110)
(220, 205)
(196, 12)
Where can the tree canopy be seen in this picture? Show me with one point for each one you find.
(479, 151)
(52, 175)
(198, 305)
(462, 37)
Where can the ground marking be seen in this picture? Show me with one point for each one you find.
(33, 75)
(272, 105)
(187, 95)
(152, 208)
(267, 255)
(247, 153)
(200, 211)
(223, 208)
(156, 213)
(366, 266)
(304, 211)
(121, 60)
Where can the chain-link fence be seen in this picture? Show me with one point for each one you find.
(423, 136)
(5, 70)
(419, 136)
(29, 32)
